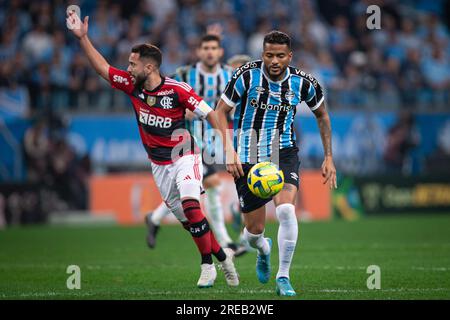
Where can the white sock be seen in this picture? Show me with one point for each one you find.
(159, 213)
(287, 237)
(257, 241)
(213, 208)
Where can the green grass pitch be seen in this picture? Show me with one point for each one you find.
(331, 262)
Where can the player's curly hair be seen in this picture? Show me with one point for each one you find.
(277, 37)
(149, 51)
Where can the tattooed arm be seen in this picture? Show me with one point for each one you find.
(328, 169)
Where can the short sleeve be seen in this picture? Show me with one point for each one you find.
(234, 89)
(121, 80)
(311, 92)
(190, 100)
(180, 74)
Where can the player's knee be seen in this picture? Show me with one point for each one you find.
(212, 181)
(177, 209)
(255, 228)
(286, 214)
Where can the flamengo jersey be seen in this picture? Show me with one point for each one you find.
(160, 115)
(265, 109)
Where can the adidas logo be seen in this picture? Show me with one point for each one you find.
(294, 176)
(187, 178)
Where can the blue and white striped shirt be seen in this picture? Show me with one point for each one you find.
(265, 109)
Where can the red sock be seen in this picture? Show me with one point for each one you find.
(198, 226)
(215, 246)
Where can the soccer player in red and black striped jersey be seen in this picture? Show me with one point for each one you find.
(159, 105)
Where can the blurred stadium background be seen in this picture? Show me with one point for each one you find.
(70, 149)
(63, 131)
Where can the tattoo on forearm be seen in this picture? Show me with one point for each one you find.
(325, 134)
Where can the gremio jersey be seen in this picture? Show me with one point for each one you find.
(265, 109)
(209, 86)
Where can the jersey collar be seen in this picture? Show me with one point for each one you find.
(163, 79)
(198, 66)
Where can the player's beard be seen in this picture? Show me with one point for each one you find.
(277, 75)
(140, 79)
(210, 63)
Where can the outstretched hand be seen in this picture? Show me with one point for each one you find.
(78, 28)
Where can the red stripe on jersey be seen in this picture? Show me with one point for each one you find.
(196, 169)
(184, 85)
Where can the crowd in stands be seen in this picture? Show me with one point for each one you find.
(403, 65)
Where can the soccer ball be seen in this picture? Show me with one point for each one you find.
(265, 180)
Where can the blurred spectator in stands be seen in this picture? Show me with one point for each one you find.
(37, 46)
(233, 41)
(37, 147)
(70, 175)
(438, 162)
(408, 37)
(431, 26)
(389, 80)
(341, 42)
(412, 82)
(327, 72)
(255, 41)
(59, 72)
(436, 70)
(8, 45)
(173, 53)
(319, 29)
(40, 89)
(78, 78)
(402, 138)
(61, 167)
(105, 29)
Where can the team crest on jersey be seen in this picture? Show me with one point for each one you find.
(289, 94)
(151, 100)
(166, 102)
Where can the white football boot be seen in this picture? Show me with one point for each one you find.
(227, 266)
(207, 276)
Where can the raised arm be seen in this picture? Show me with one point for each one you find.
(328, 168)
(80, 30)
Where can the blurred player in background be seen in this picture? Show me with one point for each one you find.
(159, 104)
(235, 62)
(265, 95)
(208, 77)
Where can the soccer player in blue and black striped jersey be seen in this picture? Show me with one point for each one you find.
(265, 95)
(208, 77)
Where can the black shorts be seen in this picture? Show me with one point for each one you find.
(208, 170)
(289, 164)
